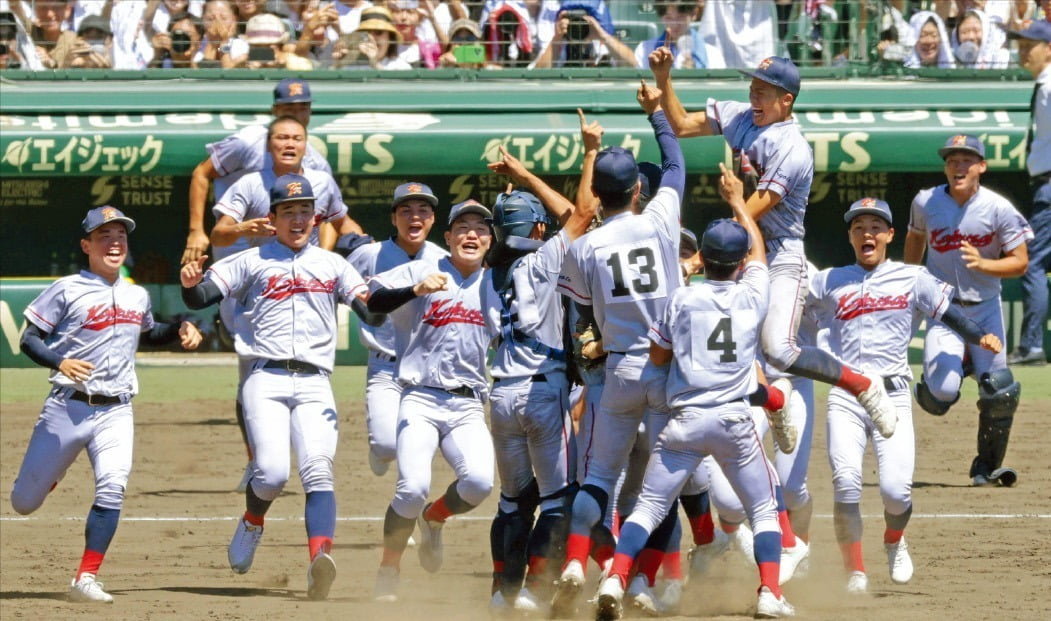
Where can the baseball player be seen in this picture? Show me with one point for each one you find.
(289, 290)
(708, 390)
(441, 336)
(871, 309)
(412, 215)
(529, 411)
(973, 237)
(623, 272)
(771, 152)
(86, 328)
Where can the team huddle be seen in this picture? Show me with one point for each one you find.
(617, 390)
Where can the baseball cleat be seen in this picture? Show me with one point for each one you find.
(498, 606)
(791, 558)
(610, 599)
(320, 576)
(879, 406)
(564, 601)
(744, 541)
(527, 604)
(781, 424)
(379, 467)
(858, 583)
(430, 544)
(770, 607)
(642, 597)
(1005, 476)
(702, 556)
(88, 590)
(386, 589)
(246, 476)
(242, 547)
(899, 561)
(671, 597)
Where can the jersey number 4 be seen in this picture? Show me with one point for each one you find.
(722, 339)
(645, 264)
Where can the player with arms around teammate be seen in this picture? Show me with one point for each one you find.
(529, 412)
(86, 328)
(412, 215)
(708, 390)
(871, 309)
(289, 290)
(441, 336)
(622, 274)
(973, 237)
(769, 148)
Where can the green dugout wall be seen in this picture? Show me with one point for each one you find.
(70, 144)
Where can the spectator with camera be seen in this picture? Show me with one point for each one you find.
(466, 50)
(221, 47)
(375, 42)
(314, 42)
(267, 36)
(91, 48)
(423, 27)
(584, 37)
(175, 49)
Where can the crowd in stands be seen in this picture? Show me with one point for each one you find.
(301, 35)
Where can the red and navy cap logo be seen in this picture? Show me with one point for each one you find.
(867, 203)
(109, 213)
(293, 189)
(765, 63)
(414, 188)
(959, 140)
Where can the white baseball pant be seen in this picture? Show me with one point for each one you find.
(382, 401)
(943, 350)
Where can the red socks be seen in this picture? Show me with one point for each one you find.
(438, 511)
(703, 529)
(892, 536)
(319, 544)
(852, 381)
(775, 399)
(90, 563)
(577, 548)
(852, 556)
(769, 576)
(788, 537)
(254, 520)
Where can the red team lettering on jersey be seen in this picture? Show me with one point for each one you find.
(104, 316)
(281, 287)
(851, 305)
(943, 241)
(440, 314)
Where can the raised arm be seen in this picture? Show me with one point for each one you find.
(591, 135)
(685, 125)
(732, 191)
(673, 163)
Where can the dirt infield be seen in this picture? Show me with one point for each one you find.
(979, 553)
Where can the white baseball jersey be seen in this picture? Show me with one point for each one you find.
(537, 311)
(987, 221)
(626, 269)
(249, 198)
(89, 319)
(290, 298)
(781, 157)
(245, 152)
(375, 259)
(713, 330)
(872, 315)
(441, 339)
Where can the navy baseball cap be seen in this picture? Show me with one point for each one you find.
(1035, 29)
(615, 171)
(870, 206)
(650, 178)
(688, 240)
(963, 142)
(290, 188)
(413, 189)
(469, 206)
(292, 90)
(725, 241)
(780, 72)
(101, 215)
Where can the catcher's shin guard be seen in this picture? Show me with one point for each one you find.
(997, 401)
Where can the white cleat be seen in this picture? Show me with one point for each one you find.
(791, 558)
(744, 541)
(246, 476)
(770, 607)
(610, 604)
(379, 467)
(411, 543)
(242, 547)
(498, 606)
(879, 406)
(702, 556)
(527, 604)
(781, 425)
(88, 590)
(430, 545)
(564, 601)
(386, 590)
(899, 561)
(642, 597)
(671, 596)
(857, 583)
(320, 576)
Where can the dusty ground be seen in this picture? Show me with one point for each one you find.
(979, 553)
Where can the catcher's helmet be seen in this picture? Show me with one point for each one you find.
(515, 214)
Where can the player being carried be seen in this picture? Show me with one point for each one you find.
(86, 328)
(289, 290)
(871, 309)
(769, 149)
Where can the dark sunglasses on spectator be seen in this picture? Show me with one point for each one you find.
(465, 37)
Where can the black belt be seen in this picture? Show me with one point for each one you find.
(293, 366)
(1042, 178)
(895, 382)
(95, 400)
(539, 377)
(384, 357)
(965, 303)
(461, 391)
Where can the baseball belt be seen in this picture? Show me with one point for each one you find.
(965, 303)
(539, 377)
(460, 391)
(293, 366)
(384, 357)
(97, 400)
(895, 382)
